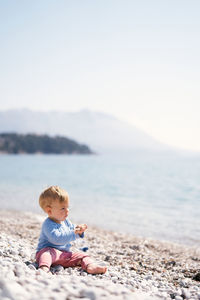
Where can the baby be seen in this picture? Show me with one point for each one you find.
(57, 233)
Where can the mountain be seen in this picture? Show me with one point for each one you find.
(13, 143)
(102, 132)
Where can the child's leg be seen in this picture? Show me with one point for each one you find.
(73, 259)
(69, 259)
(47, 256)
(50, 256)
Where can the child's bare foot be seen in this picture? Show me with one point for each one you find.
(96, 269)
(45, 269)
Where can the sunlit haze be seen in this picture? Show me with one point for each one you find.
(136, 60)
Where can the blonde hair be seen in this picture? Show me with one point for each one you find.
(52, 194)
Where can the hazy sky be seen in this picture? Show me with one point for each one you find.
(137, 60)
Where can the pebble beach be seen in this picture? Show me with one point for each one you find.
(138, 268)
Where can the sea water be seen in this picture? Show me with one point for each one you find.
(153, 195)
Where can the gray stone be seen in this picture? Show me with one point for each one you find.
(178, 298)
(186, 294)
(32, 267)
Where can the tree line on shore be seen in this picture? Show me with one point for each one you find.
(14, 143)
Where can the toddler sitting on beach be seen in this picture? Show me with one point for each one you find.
(57, 233)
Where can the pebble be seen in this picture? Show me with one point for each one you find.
(57, 269)
(186, 294)
(21, 279)
(32, 267)
(185, 283)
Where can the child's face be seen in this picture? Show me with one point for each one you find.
(58, 211)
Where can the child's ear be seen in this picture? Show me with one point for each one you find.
(48, 209)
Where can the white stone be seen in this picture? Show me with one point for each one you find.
(184, 282)
(13, 290)
(113, 274)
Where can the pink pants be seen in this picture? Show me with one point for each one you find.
(51, 256)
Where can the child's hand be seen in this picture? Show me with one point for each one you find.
(80, 228)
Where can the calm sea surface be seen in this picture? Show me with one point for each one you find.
(150, 195)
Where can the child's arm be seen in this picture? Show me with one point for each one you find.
(57, 236)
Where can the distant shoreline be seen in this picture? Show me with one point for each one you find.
(15, 143)
(46, 154)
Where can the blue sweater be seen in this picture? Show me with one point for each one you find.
(57, 235)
